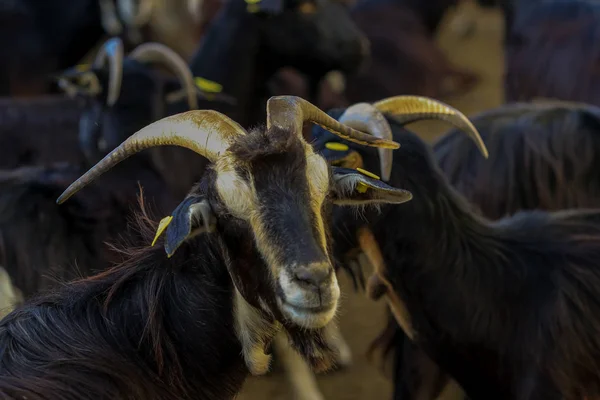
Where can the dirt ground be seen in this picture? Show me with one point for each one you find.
(361, 319)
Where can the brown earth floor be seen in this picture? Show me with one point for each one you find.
(360, 318)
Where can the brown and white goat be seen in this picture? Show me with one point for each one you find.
(254, 256)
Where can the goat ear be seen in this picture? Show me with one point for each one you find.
(192, 217)
(360, 187)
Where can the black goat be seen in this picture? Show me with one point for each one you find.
(254, 257)
(530, 332)
(551, 51)
(129, 95)
(541, 157)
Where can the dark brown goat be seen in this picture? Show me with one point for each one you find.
(530, 264)
(552, 51)
(253, 241)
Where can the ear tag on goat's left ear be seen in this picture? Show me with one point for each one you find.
(162, 226)
(361, 187)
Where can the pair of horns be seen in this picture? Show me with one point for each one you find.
(209, 133)
(405, 109)
(112, 52)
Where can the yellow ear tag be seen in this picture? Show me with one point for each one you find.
(162, 225)
(208, 86)
(82, 67)
(361, 187)
(335, 146)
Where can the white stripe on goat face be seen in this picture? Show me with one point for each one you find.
(283, 201)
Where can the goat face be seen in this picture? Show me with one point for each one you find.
(281, 191)
(270, 186)
(315, 36)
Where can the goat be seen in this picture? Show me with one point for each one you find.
(248, 43)
(527, 335)
(248, 254)
(129, 95)
(549, 43)
(541, 157)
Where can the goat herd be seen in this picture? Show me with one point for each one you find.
(484, 245)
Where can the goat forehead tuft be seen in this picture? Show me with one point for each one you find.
(260, 143)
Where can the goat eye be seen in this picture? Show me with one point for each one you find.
(307, 7)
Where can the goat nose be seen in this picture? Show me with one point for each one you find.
(314, 274)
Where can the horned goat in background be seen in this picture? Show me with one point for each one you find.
(489, 303)
(124, 94)
(541, 157)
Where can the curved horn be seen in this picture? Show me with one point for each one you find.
(159, 53)
(366, 118)
(407, 109)
(113, 50)
(205, 132)
(290, 113)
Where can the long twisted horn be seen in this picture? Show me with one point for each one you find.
(159, 53)
(290, 113)
(407, 109)
(366, 118)
(113, 51)
(205, 132)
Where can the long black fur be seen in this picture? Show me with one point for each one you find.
(539, 267)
